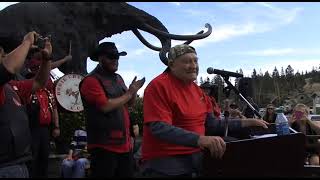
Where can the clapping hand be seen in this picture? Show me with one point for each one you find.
(136, 85)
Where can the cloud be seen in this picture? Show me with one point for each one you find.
(197, 13)
(265, 4)
(228, 31)
(175, 3)
(250, 20)
(281, 52)
(285, 16)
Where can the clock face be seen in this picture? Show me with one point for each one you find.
(68, 94)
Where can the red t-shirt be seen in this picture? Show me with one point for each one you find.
(93, 93)
(22, 88)
(45, 113)
(168, 100)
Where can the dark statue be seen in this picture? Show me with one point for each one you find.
(84, 24)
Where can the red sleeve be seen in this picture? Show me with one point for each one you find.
(23, 88)
(156, 104)
(2, 96)
(92, 92)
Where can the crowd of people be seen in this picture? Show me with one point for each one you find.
(180, 118)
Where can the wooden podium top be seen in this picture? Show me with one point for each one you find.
(269, 156)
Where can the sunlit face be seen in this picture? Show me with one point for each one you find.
(109, 65)
(185, 67)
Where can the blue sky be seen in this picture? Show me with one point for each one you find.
(246, 35)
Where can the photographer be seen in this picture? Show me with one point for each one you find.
(14, 121)
(42, 113)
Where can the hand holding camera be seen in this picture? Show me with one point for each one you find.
(44, 43)
(31, 37)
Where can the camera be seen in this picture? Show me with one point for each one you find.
(41, 41)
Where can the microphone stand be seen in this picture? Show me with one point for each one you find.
(226, 120)
(231, 87)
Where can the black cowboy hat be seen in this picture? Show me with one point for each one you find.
(107, 48)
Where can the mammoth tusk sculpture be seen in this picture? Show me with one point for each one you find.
(85, 24)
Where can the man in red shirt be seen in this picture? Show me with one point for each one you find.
(178, 120)
(106, 98)
(15, 144)
(42, 112)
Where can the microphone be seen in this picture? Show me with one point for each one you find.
(210, 70)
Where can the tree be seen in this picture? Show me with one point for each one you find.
(260, 73)
(282, 73)
(208, 79)
(240, 71)
(275, 73)
(289, 71)
(201, 80)
(219, 82)
(266, 74)
(254, 74)
(212, 81)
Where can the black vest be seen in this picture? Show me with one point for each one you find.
(100, 125)
(14, 130)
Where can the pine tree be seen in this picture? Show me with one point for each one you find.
(282, 73)
(208, 79)
(260, 73)
(240, 71)
(275, 73)
(266, 74)
(254, 74)
(289, 71)
(201, 80)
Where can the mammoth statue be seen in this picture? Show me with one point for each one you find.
(84, 24)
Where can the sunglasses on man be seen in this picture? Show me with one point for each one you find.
(112, 56)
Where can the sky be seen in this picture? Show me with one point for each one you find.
(246, 35)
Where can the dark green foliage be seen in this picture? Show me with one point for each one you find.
(136, 112)
(69, 122)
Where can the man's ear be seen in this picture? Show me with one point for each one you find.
(170, 63)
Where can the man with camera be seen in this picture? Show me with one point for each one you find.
(15, 142)
(42, 112)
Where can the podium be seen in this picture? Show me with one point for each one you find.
(265, 156)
